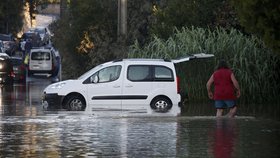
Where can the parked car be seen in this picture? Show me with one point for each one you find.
(9, 42)
(34, 37)
(42, 61)
(6, 69)
(2, 48)
(44, 33)
(19, 69)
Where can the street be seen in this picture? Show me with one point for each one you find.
(26, 130)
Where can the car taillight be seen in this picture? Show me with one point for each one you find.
(178, 84)
(12, 74)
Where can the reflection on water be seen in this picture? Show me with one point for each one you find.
(222, 138)
(21, 99)
(70, 135)
(28, 131)
(227, 138)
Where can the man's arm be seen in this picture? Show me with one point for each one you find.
(236, 85)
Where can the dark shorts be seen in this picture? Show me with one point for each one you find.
(221, 104)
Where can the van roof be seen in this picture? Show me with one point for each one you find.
(42, 49)
(142, 59)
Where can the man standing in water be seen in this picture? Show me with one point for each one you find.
(226, 89)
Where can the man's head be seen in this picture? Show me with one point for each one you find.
(222, 64)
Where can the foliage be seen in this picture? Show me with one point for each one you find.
(186, 13)
(255, 66)
(139, 17)
(86, 34)
(262, 18)
(11, 16)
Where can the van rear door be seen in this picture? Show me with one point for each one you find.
(194, 56)
(40, 61)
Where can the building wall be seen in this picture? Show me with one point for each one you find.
(49, 9)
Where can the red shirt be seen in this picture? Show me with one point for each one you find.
(224, 88)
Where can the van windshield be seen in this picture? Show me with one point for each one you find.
(40, 56)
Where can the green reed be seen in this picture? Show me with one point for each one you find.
(255, 66)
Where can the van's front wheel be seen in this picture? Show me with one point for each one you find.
(75, 103)
(161, 104)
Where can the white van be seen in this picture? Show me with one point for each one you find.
(141, 85)
(41, 61)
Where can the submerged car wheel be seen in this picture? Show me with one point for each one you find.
(161, 104)
(75, 103)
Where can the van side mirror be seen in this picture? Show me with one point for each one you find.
(94, 79)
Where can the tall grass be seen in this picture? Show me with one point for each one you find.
(255, 66)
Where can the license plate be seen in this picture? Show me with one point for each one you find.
(36, 67)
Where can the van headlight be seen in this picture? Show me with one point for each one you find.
(57, 85)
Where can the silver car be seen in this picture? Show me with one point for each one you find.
(44, 34)
(2, 48)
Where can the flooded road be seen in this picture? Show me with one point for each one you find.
(26, 130)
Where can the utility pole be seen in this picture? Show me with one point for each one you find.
(31, 12)
(122, 18)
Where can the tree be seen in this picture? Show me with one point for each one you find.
(262, 18)
(86, 34)
(181, 13)
(11, 16)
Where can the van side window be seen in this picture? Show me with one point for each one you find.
(108, 74)
(139, 73)
(163, 73)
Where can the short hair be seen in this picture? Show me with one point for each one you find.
(222, 64)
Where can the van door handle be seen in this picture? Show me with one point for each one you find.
(116, 86)
(128, 86)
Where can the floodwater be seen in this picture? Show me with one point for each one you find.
(26, 130)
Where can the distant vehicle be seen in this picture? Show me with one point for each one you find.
(44, 33)
(6, 69)
(9, 42)
(2, 48)
(42, 61)
(19, 69)
(33, 36)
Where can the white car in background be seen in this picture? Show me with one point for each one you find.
(44, 33)
(2, 48)
(43, 61)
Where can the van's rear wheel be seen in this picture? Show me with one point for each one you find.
(161, 104)
(75, 103)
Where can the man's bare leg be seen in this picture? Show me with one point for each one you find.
(232, 112)
(219, 112)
